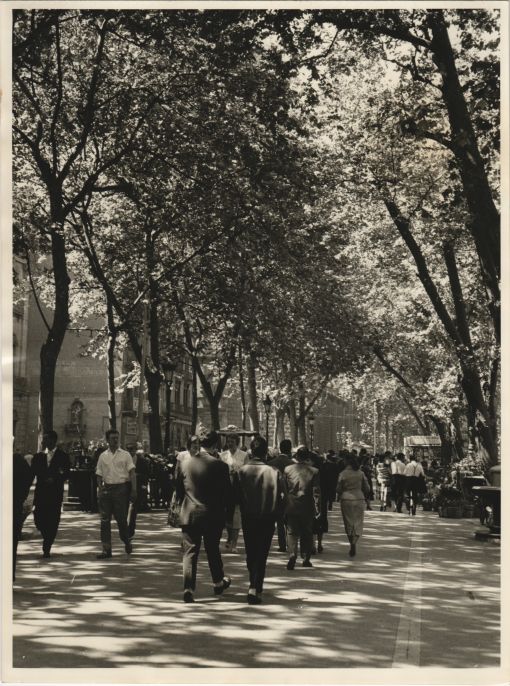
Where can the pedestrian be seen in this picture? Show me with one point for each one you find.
(366, 467)
(116, 482)
(321, 524)
(304, 496)
(22, 478)
(262, 496)
(332, 469)
(353, 489)
(142, 470)
(283, 460)
(51, 468)
(234, 458)
(205, 493)
(383, 476)
(398, 480)
(415, 476)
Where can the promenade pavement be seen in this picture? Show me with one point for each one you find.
(420, 592)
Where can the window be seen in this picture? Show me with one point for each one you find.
(186, 400)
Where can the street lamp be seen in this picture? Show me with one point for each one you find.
(168, 370)
(267, 402)
(311, 422)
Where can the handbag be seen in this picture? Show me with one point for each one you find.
(174, 513)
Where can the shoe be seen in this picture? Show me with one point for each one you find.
(320, 549)
(46, 554)
(129, 548)
(253, 599)
(307, 563)
(381, 509)
(218, 590)
(105, 555)
(188, 597)
(352, 551)
(291, 563)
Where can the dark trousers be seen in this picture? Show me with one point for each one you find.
(113, 500)
(300, 531)
(47, 520)
(258, 534)
(133, 512)
(192, 535)
(17, 526)
(398, 487)
(281, 528)
(413, 492)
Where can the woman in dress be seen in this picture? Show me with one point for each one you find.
(353, 489)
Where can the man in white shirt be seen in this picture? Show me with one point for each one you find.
(116, 481)
(398, 480)
(235, 459)
(412, 472)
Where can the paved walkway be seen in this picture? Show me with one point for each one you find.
(420, 592)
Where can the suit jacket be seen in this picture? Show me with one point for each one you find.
(204, 489)
(280, 462)
(303, 486)
(260, 490)
(50, 492)
(22, 478)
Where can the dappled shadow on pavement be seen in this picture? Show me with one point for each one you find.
(75, 611)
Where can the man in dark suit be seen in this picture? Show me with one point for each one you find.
(51, 467)
(261, 494)
(204, 489)
(22, 478)
(283, 460)
(304, 505)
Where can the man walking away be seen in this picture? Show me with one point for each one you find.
(51, 467)
(398, 480)
(204, 490)
(260, 491)
(302, 481)
(413, 471)
(283, 460)
(234, 458)
(116, 481)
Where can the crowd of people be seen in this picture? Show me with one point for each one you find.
(210, 490)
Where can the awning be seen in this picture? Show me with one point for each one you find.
(422, 441)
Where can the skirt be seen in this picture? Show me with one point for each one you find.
(353, 513)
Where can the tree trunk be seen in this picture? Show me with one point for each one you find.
(214, 410)
(112, 339)
(301, 421)
(291, 408)
(194, 396)
(253, 411)
(485, 219)
(446, 440)
(279, 426)
(51, 347)
(153, 388)
(457, 434)
(241, 389)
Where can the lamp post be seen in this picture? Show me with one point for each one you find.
(267, 402)
(311, 422)
(168, 370)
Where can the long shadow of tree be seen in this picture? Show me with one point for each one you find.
(74, 611)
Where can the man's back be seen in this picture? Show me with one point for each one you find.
(260, 489)
(302, 480)
(280, 462)
(204, 488)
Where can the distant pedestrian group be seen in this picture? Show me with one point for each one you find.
(290, 493)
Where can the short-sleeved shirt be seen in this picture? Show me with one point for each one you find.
(114, 467)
